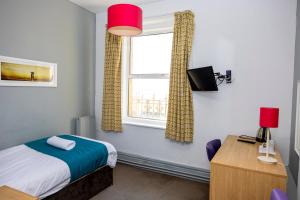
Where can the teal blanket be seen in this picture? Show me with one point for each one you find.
(83, 159)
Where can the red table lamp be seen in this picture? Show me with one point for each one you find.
(268, 119)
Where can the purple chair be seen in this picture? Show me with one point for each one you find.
(277, 194)
(212, 147)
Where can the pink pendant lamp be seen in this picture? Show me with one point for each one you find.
(124, 20)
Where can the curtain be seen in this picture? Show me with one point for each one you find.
(180, 121)
(111, 105)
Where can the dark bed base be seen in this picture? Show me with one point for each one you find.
(86, 187)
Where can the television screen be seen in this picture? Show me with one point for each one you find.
(202, 79)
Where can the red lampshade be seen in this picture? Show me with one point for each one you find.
(124, 20)
(269, 117)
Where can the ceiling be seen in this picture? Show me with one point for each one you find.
(97, 6)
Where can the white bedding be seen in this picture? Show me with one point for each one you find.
(36, 173)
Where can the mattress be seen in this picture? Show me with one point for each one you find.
(36, 173)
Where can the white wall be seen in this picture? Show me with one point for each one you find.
(256, 40)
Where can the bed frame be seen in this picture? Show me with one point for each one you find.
(85, 187)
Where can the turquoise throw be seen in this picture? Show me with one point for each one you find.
(83, 159)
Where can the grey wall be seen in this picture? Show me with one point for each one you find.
(52, 31)
(294, 158)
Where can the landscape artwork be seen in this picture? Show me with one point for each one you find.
(21, 72)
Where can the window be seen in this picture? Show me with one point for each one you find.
(147, 61)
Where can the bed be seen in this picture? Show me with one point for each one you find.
(32, 169)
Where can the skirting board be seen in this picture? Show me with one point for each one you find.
(183, 171)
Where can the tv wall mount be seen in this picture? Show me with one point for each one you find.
(220, 77)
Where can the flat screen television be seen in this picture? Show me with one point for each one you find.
(202, 79)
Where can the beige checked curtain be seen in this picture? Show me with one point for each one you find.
(180, 122)
(111, 105)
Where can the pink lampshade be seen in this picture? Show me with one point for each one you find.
(124, 19)
(269, 117)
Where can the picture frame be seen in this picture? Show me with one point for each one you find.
(24, 72)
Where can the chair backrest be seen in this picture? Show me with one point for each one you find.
(212, 147)
(277, 194)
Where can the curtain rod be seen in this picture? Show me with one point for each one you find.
(163, 15)
(167, 14)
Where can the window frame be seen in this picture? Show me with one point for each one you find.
(164, 26)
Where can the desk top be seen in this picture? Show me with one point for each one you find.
(8, 193)
(244, 155)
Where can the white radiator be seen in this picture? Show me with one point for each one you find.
(85, 126)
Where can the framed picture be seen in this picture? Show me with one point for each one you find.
(22, 72)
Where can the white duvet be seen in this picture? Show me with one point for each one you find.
(36, 173)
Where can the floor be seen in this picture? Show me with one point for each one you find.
(132, 183)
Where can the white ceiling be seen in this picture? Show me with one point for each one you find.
(97, 6)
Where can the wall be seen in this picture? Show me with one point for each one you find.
(52, 31)
(294, 158)
(291, 186)
(298, 188)
(256, 40)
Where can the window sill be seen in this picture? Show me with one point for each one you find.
(144, 124)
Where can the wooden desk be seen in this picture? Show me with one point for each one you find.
(7, 193)
(237, 174)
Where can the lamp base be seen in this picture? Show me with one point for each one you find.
(266, 159)
(261, 135)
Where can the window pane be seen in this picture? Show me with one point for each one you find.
(148, 98)
(151, 54)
